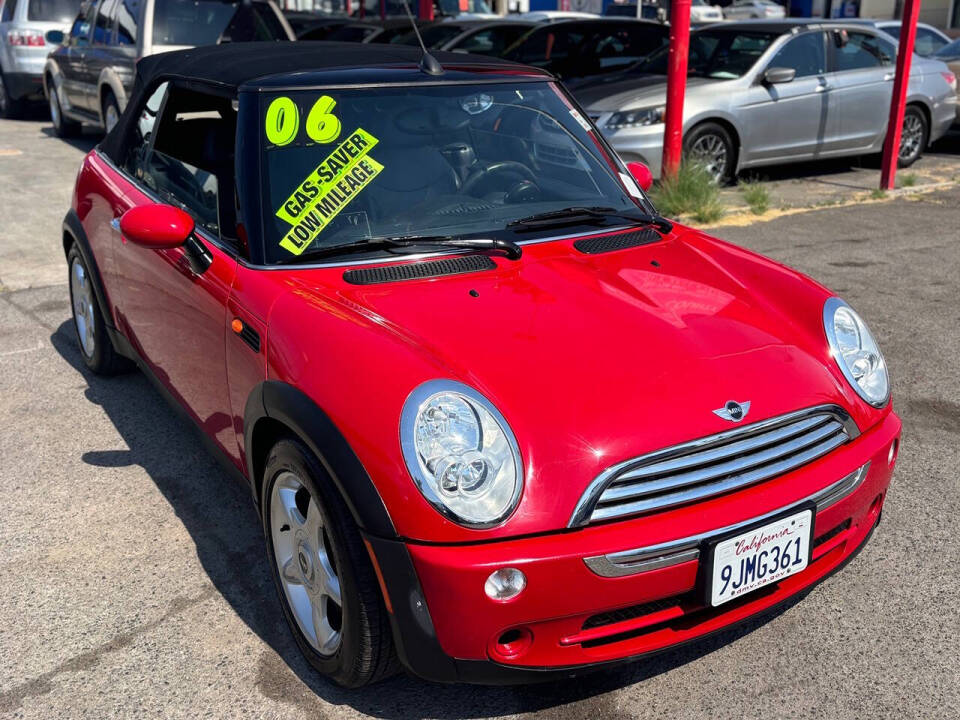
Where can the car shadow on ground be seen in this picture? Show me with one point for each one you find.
(85, 142)
(217, 511)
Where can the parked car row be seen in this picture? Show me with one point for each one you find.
(765, 93)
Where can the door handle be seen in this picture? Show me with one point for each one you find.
(823, 87)
(889, 76)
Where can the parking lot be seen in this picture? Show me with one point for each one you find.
(135, 578)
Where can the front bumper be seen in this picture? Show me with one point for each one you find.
(574, 618)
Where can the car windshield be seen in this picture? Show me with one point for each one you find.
(204, 22)
(61, 11)
(346, 166)
(715, 53)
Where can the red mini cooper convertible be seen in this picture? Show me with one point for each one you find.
(501, 420)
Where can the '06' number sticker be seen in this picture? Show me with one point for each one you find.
(282, 121)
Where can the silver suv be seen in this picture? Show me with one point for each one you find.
(23, 49)
(88, 78)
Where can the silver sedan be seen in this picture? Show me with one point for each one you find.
(766, 93)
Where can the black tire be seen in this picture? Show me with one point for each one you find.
(110, 110)
(62, 127)
(365, 653)
(716, 136)
(96, 347)
(10, 109)
(914, 136)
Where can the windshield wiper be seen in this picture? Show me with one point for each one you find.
(410, 243)
(588, 214)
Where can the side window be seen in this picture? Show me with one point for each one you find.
(860, 51)
(103, 25)
(80, 30)
(927, 42)
(492, 41)
(183, 152)
(806, 54)
(128, 12)
(8, 11)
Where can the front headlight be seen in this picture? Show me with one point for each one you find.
(635, 118)
(856, 352)
(461, 453)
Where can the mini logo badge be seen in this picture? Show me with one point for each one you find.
(733, 410)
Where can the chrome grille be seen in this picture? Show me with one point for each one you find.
(715, 464)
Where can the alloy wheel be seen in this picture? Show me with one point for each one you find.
(710, 151)
(911, 136)
(305, 563)
(81, 293)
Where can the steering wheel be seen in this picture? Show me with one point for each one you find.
(508, 170)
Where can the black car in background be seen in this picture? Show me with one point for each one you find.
(88, 78)
(479, 37)
(577, 49)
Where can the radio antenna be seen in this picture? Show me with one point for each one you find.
(428, 63)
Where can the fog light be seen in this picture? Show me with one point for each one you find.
(504, 584)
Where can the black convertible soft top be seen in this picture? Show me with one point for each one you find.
(235, 64)
(229, 67)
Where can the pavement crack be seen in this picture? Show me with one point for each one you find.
(8, 298)
(12, 699)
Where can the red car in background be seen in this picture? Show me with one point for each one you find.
(502, 421)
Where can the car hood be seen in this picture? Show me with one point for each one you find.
(594, 359)
(627, 92)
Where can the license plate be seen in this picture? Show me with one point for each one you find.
(758, 557)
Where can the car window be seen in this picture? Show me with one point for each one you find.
(927, 42)
(80, 30)
(61, 11)
(204, 22)
(949, 52)
(351, 33)
(128, 12)
(433, 36)
(892, 30)
(860, 51)
(492, 41)
(715, 53)
(446, 159)
(182, 151)
(549, 46)
(626, 44)
(806, 54)
(103, 25)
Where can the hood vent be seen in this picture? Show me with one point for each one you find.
(609, 243)
(419, 270)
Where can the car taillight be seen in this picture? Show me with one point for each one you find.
(951, 79)
(25, 38)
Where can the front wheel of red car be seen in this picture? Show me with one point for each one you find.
(96, 348)
(324, 577)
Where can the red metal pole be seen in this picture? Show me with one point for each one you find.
(426, 10)
(891, 144)
(676, 86)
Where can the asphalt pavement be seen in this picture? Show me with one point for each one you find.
(134, 577)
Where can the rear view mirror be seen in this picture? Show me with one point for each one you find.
(778, 75)
(54, 37)
(641, 173)
(158, 227)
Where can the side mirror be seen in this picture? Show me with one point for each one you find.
(778, 75)
(54, 37)
(158, 227)
(641, 173)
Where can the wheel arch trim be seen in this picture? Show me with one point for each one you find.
(74, 234)
(281, 405)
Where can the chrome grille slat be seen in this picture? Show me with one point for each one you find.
(715, 464)
(724, 451)
(712, 472)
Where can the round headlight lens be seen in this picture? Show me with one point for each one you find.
(856, 352)
(461, 453)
